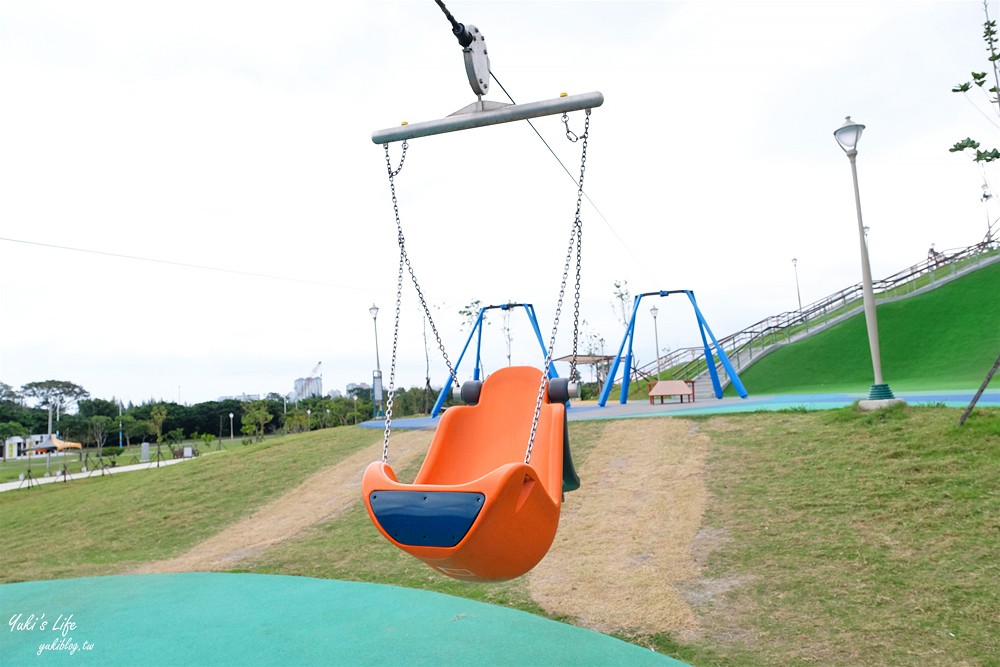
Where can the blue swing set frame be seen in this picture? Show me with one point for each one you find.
(477, 332)
(703, 328)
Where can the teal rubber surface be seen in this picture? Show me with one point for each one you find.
(246, 619)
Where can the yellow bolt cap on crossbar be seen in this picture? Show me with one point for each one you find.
(404, 123)
(563, 95)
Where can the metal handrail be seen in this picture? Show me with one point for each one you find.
(766, 334)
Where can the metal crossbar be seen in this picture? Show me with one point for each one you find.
(494, 113)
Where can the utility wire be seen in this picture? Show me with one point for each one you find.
(168, 262)
(571, 177)
(465, 38)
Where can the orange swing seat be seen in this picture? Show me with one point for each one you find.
(475, 510)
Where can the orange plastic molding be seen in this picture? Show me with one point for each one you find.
(475, 510)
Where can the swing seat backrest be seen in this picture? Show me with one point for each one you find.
(476, 511)
(474, 440)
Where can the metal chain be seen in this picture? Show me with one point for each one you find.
(570, 134)
(404, 262)
(575, 242)
(576, 301)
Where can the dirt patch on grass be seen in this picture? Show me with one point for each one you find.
(321, 497)
(624, 557)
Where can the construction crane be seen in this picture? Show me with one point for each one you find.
(307, 386)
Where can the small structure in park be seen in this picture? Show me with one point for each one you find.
(706, 335)
(53, 444)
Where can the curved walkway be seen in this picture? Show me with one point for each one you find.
(108, 470)
(585, 410)
(320, 497)
(647, 479)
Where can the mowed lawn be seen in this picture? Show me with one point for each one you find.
(839, 537)
(945, 339)
(857, 538)
(106, 525)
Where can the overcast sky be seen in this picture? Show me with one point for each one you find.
(191, 205)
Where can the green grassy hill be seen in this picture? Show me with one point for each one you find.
(944, 339)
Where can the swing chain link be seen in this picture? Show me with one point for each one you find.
(399, 293)
(404, 262)
(575, 242)
(570, 134)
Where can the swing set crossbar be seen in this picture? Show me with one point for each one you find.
(477, 331)
(505, 113)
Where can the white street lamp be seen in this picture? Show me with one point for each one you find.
(230, 425)
(374, 311)
(654, 311)
(847, 135)
(798, 294)
(377, 375)
(309, 413)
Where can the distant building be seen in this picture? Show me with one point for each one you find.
(307, 387)
(242, 398)
(359, 387)
(16, 446)
(335, 393)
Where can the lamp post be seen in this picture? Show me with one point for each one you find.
(654, 311)
(230, 425)
(798, 294)
(309, 413)
(986, 200)
(847, 135)
(377, 375)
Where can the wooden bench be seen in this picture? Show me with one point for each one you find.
(679, 388)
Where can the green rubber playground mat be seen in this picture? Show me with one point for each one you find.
(244, 619)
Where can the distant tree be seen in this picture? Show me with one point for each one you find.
(12, 409)
(73, 427)
(297, 421)
(132, 427)
(157, 415)
(98, 428)
(470, 312)
(92, 407)
(979, 81)
(11, 429)
(54, 393)
(174, 436)
(255, 416)
(8, 394)
(622, 305)
(594, 346)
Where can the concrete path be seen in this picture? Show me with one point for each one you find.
(34, 481)
(320, 497)
(585, 410)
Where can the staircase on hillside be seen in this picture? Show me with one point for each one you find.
(759, 339)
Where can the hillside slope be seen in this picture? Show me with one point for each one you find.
(944, 339)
